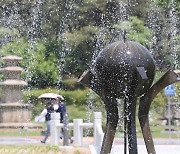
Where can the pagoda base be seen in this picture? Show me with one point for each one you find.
(15, 113)
(17, 116)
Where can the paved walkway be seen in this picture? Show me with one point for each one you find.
(36, 139)
(162, 146)
(18, 140)
(160, 149)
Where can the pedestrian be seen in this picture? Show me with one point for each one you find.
(62, 111)
(50, 107)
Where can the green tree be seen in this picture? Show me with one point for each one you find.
(163, 21)
(135, 30)
(80, 28)
(41, 65)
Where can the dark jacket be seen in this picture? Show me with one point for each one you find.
(48, 115)
(62, 111)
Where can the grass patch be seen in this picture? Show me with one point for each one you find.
(158, 131)
(77, 112)
(20, 133)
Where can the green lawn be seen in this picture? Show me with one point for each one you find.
(157, 132)
(20, 133)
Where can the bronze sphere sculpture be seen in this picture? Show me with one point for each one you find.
(126, 70)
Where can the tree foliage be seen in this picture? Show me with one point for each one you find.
(40, 63)
(135, 30)
(60, 37)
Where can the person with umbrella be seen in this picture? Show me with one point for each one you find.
(51, 105)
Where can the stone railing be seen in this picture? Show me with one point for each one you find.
(78, 127)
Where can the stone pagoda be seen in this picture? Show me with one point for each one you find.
(13, 112)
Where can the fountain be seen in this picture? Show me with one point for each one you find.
(125, 70)
(124, 73)
(13, 112)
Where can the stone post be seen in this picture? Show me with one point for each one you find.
(54, 131)
(98, 132)
(78, 132)
(66, 129)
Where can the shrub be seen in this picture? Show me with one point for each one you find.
(72, 84)
(77, 97)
